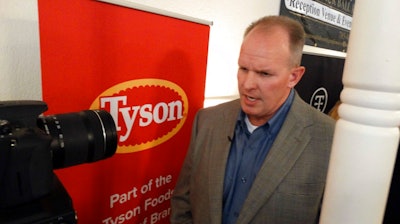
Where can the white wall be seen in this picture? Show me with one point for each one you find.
(20, 56)
(19, 47)
(230, 18)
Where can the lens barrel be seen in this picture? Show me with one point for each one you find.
(80, 137)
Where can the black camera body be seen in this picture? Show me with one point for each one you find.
(26, 169)
(31, 146)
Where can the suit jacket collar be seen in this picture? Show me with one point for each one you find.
(288, 146)
(219, 156)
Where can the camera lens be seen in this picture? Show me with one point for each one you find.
(80, 137)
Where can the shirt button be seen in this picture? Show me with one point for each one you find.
(244, 180)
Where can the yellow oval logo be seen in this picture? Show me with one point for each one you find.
(147, 112)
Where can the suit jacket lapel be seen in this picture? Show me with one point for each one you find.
(285, 151)
(218, 158)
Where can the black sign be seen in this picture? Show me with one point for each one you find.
(322, 82)
(327, 23)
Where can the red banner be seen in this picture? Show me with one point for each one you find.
(148, 71)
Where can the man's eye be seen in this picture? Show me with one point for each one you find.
(243, 69)
(264, 73)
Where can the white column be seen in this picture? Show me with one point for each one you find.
(367, 134)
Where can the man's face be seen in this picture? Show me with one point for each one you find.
(265, 75)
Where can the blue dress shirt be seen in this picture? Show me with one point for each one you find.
(247, 154)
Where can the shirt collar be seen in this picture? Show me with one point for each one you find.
(276, 121)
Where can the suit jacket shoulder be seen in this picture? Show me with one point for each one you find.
(290, 183)
(222, 112)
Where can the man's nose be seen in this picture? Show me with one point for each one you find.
(249, 81)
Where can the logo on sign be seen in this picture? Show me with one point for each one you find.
(147, 112)
(319, 99)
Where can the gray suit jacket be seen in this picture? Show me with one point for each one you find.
(289, 185)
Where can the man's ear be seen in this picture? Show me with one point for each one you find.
(296, 75)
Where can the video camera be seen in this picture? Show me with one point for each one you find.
(32, 145)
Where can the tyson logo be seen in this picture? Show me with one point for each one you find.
(147, 112)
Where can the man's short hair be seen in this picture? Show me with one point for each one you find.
(294, 28)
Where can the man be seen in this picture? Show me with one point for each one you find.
(262, 158)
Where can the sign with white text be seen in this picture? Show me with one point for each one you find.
(148, 71)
